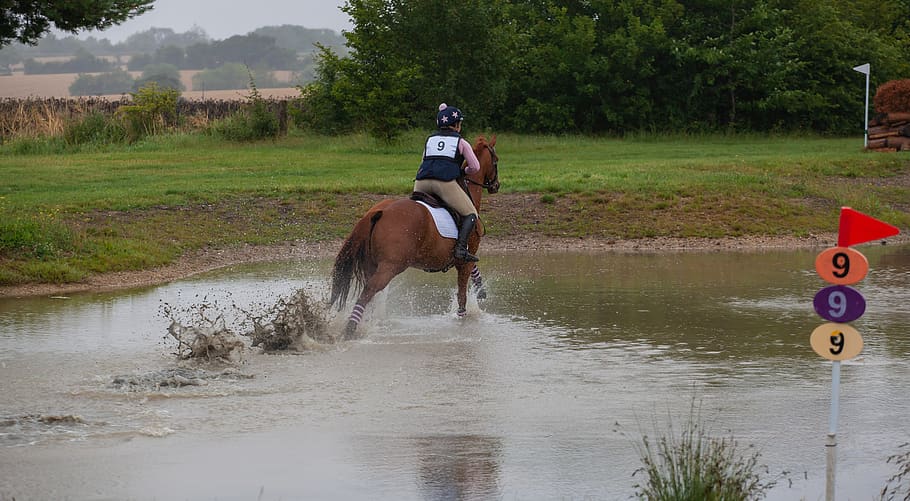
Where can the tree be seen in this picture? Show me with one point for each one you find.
(406, 57)
(553, 56)
(26, 21)
(613, 66)
(154, 39)
(251, 50)
(167, 76)
(9, 56)
(300, 39)
(115, 82)
(81, 62)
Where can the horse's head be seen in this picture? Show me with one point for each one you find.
(488, 177)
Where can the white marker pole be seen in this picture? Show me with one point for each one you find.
(831, 445)
(864, 68)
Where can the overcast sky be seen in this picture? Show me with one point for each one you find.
(224, 18)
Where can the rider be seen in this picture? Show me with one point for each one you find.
(444, 153)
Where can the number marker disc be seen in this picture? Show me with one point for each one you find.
(839, 303)
(836, 341)
(841, 265)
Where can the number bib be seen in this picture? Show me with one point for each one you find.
(441, 146)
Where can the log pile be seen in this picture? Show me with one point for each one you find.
(889, 132)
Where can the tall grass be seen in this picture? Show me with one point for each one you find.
(46, 117)
(689, 464)
(898, 485)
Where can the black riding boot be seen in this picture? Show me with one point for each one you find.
(461, 247)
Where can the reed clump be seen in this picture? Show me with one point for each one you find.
(898, 485)
(690, 464)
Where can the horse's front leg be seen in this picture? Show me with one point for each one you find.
(464, 273)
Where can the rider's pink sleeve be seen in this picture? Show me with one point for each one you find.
(465, 149)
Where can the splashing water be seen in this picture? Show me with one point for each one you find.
(209, 342)
(296, 323)
(203, 331)
(174, 378)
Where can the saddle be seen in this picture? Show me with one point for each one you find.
(436, 202)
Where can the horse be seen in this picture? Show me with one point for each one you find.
(397, 234)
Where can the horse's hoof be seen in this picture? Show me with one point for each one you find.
(350, 331)
(482, 294)
(461, 312)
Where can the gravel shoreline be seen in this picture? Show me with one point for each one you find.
(212, 259)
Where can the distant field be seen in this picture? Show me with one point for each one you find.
(20, 85)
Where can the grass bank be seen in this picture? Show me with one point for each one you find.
(68, 213)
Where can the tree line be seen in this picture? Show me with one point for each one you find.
(610, 66)
(285, 47)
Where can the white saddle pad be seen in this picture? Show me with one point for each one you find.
(444, 222)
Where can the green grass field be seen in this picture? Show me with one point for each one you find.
(67, 214)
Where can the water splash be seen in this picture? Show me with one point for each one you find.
(209, 342)
(174, 378)
(297, 322)
(30, 429)
(209, 331)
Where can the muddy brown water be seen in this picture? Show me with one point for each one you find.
(542, 392)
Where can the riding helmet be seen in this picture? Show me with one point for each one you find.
(448, 116)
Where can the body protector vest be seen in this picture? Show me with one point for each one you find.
(441, 158)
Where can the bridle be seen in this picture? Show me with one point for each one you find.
(491, 184)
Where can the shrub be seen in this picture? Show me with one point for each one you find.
(317, 108)
(255, 121)
(153, 110)
(95, 128)
(893, 97)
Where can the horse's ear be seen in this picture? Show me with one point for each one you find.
(493, 140)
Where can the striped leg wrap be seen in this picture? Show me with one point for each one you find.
(478, 283)
(357, 313)
(475, 277)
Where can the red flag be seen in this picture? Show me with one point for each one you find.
(856, 228)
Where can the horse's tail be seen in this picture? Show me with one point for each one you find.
(351, 260)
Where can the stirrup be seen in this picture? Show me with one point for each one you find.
(463, 254)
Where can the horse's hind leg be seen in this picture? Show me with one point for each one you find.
(477, 280)
(375, 283)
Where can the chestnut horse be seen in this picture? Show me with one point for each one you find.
(397, 234)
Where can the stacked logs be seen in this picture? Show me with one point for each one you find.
(889, 132)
